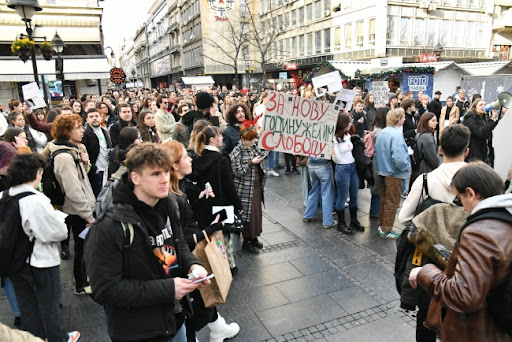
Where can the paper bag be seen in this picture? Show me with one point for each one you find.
(211, 253)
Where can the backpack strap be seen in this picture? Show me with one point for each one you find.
(424, 190)
(128, 233)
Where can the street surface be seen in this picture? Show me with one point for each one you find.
(307, 284)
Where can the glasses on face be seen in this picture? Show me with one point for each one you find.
(457, 200)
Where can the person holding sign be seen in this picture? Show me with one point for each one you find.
(345, 175)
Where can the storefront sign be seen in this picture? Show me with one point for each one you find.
(117, 75)
(291, 66)
(417, 82)
(428, 58)
(297, 125)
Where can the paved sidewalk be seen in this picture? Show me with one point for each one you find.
(307, 284)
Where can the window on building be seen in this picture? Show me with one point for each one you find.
(391, 30)
(327, 4)
(286, 20)
(405, 31)
(462, 3)
(474, 3)
(433, 29)
(301, 45)
(310, 47)
(309, 12)
(318, 9)
(280, 22)
(371, 32)
(318, 42)
(419, 32)
(471, 34)
(293, 17)
(348, 36)
(337, 38)
(293, 46)
(327, 40)
(446, 33)
(458, 33)
(359, 33)
(301, 19)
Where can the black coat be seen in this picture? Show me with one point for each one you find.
(116, 129)
(215, 168)
(363, 163)
(92, 144)
(130, 283)
(231, 137)
(409, 127)
(191, 117)
(359, 126)
(435, 107)
(481, 137)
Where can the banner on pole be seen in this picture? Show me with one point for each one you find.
(297, 125)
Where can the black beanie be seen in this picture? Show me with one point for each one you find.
(204, 100)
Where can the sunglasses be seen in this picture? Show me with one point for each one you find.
(457, 200)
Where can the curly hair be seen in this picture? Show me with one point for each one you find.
(231, 113)
(63, 125)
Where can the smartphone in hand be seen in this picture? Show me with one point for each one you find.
(441, 249)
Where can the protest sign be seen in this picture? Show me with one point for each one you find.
(32, 95)
(381, 93)
(330, 82)
(344, 99)
(297, 125)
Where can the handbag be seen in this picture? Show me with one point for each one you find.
(211, 253)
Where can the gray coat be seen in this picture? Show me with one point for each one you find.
(244, 175)
(428, 152)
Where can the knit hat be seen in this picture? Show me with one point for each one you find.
(204, 100)
(7, 154)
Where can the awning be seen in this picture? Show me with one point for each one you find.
(198, 80)
(14, 70)
(86, 68)
(484, 68)
(437, 66)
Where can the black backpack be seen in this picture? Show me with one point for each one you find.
(49, 184)
(15, 246)
(404, 247)
(499, 299)
(416, 156)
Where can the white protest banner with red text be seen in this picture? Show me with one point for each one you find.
(297, 125)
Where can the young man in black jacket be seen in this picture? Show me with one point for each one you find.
(97, 142)
(136, 256)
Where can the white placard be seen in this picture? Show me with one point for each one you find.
(501, 141)
(32, 95)
(330, 82)
(381, 93)
(345, 99)
(297, 125)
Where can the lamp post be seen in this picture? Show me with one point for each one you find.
(58, 46)
(247, 66)
(26, 10)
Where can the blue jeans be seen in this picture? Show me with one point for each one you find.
(346, 181)
(181, 335)
(305, 183)
(322, 185)
(11, 296)
(96, 180)
(375, 205)
(272, 159)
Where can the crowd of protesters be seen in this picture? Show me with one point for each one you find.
(201, 147)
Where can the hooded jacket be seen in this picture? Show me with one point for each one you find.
(214, 167)
(479, 263)
(72, 177)
(130, 282)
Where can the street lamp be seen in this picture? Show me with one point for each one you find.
(58, 46)
(247, 66)
(26, 10)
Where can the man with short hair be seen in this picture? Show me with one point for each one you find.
(88, 104)
(164, 121)
(65, 101)
(435, 107)
(66, 110)
(462, 102)
(37, 285)
(359, 117)
(136, 255)
(125, 120)
(70, 171)
(410, 123)
(97, 142)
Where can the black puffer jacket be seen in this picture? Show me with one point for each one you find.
(130, 283)
(231, 137)
(480, 143)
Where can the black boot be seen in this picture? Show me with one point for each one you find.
(342, 226)
(65, 252)
(249, 247)
(354, 223)
(256, 243)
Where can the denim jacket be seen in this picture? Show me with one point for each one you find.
(391, 154)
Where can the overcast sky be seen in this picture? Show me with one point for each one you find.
(121, 18)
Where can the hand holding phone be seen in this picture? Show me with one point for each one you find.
(442, 250)
(200, 280)
(223, 216)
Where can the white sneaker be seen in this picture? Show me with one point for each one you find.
(220, 330)
(272, 173)
(73, 336)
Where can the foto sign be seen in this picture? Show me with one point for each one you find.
(297, 125)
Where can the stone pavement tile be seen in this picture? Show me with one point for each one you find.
(278, 237)
(252, 261)
(270, 227)
(342, 254)
(93, 332)
(86, 314)
(266, 275)
(295, 316)
(375, 277)
(388, 329)
(242, 300)
(313, 285)
(307, 231)
(251, 328)
(310, 265)
(354, 299)
(370, 238)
